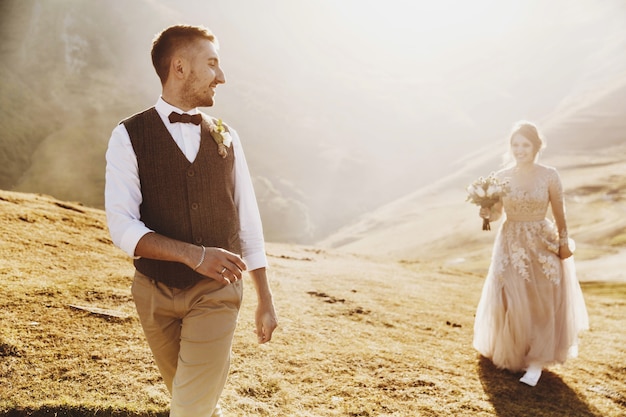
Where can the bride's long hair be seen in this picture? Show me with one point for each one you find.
(530, 131)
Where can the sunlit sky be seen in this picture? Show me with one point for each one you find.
(450, 42)
(427, 31)
(440, 71)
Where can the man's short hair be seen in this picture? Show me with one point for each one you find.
(166, 43)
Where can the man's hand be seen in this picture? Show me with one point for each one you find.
(266, 322)
(215, 263)
(219, 264)
(265, 318)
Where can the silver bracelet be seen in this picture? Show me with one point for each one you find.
(201, 258)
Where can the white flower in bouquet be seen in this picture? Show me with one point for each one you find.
(486, 192)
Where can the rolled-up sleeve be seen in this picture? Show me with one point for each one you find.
(122, 193)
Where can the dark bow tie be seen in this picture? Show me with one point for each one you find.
(185, 118)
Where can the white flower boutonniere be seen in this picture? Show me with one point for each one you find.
(221, 136)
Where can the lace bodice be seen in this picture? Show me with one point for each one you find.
(528, 201)
(527, 236)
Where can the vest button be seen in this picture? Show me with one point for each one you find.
(191, 173)
(198, 240)
(194, 206)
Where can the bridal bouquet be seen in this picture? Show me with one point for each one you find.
(486, 192)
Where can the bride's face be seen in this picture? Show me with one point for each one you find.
(522, 149)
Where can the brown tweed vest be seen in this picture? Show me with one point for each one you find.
(191, 202)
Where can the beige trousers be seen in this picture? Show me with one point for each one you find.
(190, 333)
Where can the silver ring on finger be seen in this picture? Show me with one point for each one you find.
(222, 271)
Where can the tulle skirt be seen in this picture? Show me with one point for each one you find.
(531, 308)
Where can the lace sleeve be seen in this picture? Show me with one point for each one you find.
(555, 191)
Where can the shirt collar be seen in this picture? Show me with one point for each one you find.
(164, 108)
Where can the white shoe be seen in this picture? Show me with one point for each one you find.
(531, 377)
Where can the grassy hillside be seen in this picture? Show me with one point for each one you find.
(358, 336)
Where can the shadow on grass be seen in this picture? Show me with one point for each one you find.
(511, 398)
(70, 411)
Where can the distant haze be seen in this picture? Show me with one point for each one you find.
(342, 105)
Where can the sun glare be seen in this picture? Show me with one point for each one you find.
(400, 22)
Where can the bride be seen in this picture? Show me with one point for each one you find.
(531, 308)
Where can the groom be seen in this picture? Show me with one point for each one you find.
(179, 200)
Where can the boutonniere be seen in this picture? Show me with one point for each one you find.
(221, 136)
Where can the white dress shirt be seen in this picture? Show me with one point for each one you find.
(123, 190)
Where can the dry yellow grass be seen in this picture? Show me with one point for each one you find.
(359, 336)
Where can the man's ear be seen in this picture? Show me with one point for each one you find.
(178, 67)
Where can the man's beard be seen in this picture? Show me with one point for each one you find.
(193, 97)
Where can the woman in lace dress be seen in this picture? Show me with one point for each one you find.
(531, 308)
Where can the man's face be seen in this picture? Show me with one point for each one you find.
(204, 75)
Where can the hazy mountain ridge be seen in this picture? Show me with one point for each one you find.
(63, 94)
(329, 135)
(587, 125)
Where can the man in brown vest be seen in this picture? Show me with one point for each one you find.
(179, 199)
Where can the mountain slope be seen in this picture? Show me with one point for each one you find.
(437, 224)
(585, 142)
(357, 336)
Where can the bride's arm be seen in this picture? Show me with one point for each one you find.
(557, 203)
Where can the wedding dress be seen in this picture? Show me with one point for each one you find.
(531, 308)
